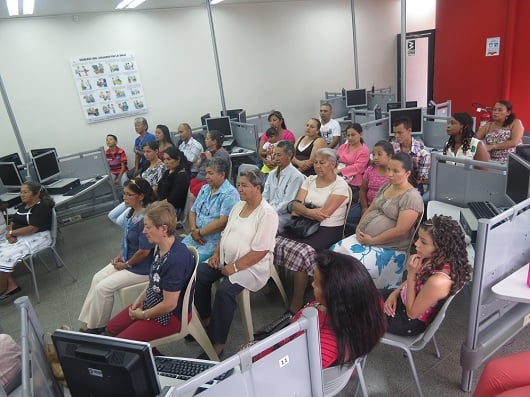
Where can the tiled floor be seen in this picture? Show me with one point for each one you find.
(88, 245)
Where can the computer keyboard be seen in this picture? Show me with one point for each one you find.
(79, 188)
(483, 209)
(182, 368)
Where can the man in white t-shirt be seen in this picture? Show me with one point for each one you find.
(330, 129)
(189, 146)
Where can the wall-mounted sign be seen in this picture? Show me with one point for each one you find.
(493, 46)
(411, 48)
(109, 86)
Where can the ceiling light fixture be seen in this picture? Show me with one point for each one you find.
(214, 2)
(12, 7)
(14, 10)
(28, 6)
(129, 4)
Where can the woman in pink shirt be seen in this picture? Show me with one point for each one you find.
(276, 121)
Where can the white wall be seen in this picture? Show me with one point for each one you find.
(273, 55)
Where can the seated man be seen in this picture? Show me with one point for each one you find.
(189, 146)
(283, 182)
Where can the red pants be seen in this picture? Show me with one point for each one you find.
(508, 375)
(121, 326)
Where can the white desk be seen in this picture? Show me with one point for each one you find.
(61, 199)
(514, 287)
(439, 208)
(240, 152)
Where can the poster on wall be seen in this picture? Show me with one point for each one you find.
(109, 86)
(493, 45)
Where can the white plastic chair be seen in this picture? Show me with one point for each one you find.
(418, 342)
(193, 326)
(28, 259)
(337, 377)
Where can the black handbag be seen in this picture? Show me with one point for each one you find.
(301, 226)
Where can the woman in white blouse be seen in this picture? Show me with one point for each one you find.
(243, 257)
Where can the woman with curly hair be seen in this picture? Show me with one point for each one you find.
(462, 141)
(437, 270)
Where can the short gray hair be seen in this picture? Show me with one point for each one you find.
(255, 177)
(329, 153)
(218, 164)
(141, 120)
(287, 147)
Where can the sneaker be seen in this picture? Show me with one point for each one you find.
(15, 291)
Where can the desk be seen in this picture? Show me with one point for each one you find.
(438, 208)
(241, 152)
(61, 200)
(513, 287)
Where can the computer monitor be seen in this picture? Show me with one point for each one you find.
(204, 117)
(356, 98)
(232, 113)
(46, 166)
(221, 124)
(397, 105)
(414, 114)
(10, 176)
(242, 117)
(11, 158)
(523, 151)
(36, 152)
(518, 178)
(96, 365)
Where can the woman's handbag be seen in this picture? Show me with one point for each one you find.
(301, 226)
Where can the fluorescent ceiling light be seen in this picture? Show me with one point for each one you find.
(28, 6)
(129, 4)
(12, 7)
(214, 2)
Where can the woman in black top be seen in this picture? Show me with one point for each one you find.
(28, 230)
(175, 182)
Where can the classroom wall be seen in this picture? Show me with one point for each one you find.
(463, 73)
(280, 55)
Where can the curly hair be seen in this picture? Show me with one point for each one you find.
(353, 304)
(450, 248)
(467, 132)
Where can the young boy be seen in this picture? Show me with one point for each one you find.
(273, 137)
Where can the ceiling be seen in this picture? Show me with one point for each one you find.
(73, 7)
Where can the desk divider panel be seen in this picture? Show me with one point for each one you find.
(260, 120)
(245, 135)
(379, 98)
(503, 246)
(435, 131)
(374, 131)
(338, 105)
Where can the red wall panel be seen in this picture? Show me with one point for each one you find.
(463, 73)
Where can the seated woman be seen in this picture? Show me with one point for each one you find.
(387, 226)
(129, 267)
(209, 214)
(156, 311)
(503, 133)
(10, 363)
(350, 315)
(117, 159)
(163, 139)
(175, 182)
(437, 270)
(243, 256)
(462, 142)
(28, 230)
(330, 195)
(214, 148)
(306, 147)
(277, 122)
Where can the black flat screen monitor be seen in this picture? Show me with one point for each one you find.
(415, 115)
(518, 178)
(204, 117)
(221, 124)
(10, 176)
(96, 365)
(356, 98)
(36, 152)
(46, 166)
(523, 151)
(397, 105)
(242, 117)
(232, 113)
(11, 158)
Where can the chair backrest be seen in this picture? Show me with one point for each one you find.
(416, 228)
(187, 294)
(53, 230)
(435, 324)
(348, 207)
(335, 378)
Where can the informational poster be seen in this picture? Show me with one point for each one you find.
(411, 47)
(109, 86)
(493, 46)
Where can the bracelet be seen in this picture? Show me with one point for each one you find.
(235, 268)
(143, 316)
(127, 264)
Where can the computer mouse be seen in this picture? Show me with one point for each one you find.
(240, 150)
(99, 177)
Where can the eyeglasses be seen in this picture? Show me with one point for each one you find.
(126, 194)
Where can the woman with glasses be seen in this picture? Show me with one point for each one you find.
(243, 257)
(130, 266)
(209, 213)
(175, 182)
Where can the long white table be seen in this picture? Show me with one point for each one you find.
(514, 287)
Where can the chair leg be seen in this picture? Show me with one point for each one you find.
(243, 300)
(436, 347)
(414, 373)
(197, 331)
(32, 270)
(44, 263)
(60, 262)
(359, 366)
(276, 278)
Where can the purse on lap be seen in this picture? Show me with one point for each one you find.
(301, 226)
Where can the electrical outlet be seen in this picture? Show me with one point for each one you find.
(526, 320)
(284, 361)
